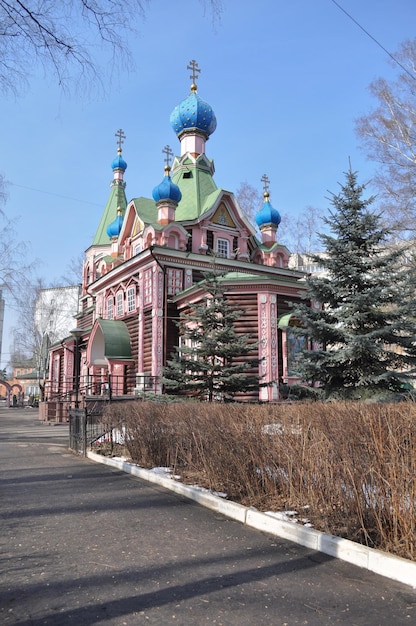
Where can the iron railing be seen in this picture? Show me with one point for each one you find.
(69, 389)
(85, 406)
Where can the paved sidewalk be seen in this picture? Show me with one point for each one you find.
(85, 544)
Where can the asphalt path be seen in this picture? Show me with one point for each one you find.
(83, 543)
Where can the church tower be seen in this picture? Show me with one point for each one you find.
(104, 243)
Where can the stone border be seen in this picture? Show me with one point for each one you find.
(382, 563)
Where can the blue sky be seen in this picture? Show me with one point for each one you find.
(286, 80)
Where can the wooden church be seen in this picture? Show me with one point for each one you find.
(147, 262)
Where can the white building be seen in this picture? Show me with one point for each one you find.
(55, 310)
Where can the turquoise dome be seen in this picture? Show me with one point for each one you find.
(167, 190)
(114, 229)
(119, 163)
(267, 214)
(193, 113)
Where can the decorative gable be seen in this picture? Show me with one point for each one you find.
(222, 217)
(138, 227)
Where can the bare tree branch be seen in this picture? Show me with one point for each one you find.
(388, 135)
(250, 200)
(69, 39)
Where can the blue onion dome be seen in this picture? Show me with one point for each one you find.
(114, 229)
(167, 190)
(119, 163)
(267, 214)
(193, 114)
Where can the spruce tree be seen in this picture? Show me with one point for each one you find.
(213, 361)
(361, 322)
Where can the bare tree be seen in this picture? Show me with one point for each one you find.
(250, 200)
(46, 315)
(73, 273)
(15, 268)
(301, 235)
(3, 194)
(67, 37)
(388, 135)
(60, 36)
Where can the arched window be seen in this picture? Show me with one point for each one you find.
(110, 308)
(173, 241)
(120, 303)
(131, 299)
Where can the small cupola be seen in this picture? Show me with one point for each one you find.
(114, 229)
(119, 165)
(167, 190)
(268, 218)
(167, 194)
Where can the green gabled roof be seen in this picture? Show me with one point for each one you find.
(117, 199)
(146, 209)
(199, 192)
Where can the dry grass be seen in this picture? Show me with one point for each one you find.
(352, 464)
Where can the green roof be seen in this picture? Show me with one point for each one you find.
(288, 319)
(117, 199)
(116, 340)
(146, 209)
(199, 192)
(199, 195)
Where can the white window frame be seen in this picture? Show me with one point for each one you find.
(120, 303)
(222, 248)
(131, 299)
(148, 287)
(175, 280)
(110, 308)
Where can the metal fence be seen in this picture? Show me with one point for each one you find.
(88, 424)
(85, 400)
(78, 430)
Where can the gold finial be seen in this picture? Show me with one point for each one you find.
(167, 170)
(193, 65)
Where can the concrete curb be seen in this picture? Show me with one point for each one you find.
(382, 563)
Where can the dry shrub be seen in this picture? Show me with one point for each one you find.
(352, 464)
(149, 432)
